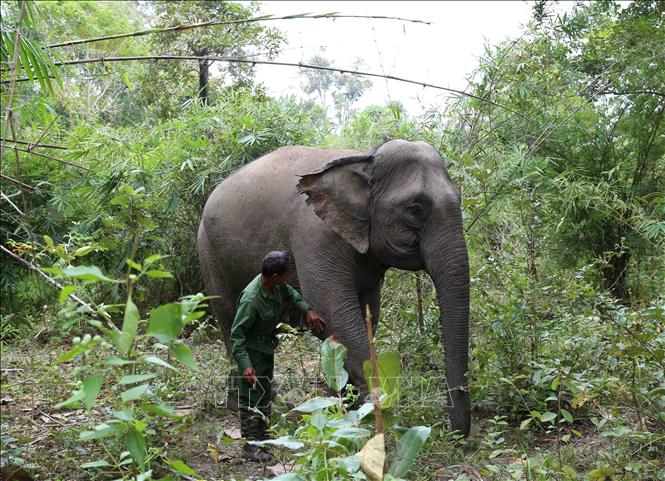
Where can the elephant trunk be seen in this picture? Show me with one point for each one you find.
(446, 259)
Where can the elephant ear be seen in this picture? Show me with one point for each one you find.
(339, 193)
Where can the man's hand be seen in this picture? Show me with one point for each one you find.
(314, 322)
(250, 376)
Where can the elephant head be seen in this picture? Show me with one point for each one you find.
(398, 204)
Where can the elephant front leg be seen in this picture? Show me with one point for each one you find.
(340, 309)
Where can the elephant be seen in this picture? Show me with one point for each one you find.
(345, 217)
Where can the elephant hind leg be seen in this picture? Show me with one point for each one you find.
(222, 304)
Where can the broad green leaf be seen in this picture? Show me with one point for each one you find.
(153, 258)
(350, 464)
(356, 416)
(408, 447)
(389, 370)
(96, 464)
(159, 361)
(65, 292)
(134, 378)
(166, 323)
(147, 476)
(124, 415)
(135, 444)
(103, 430)
(525, 423)
(288, 477)
(159, 274)
(555, 383)
(49, 242)
(288, 442)
(316, 403)
(318, 420)
(125, 79)
(548, 416)
(71, 354)
(116, 361)
(134, 265)
(160, 409)
(134, 393)
(85, 273)
(180, 467)
(74, 398)
(333, 355)
(183, 354)
(82, 251)
(91, 387)
(130, 326)
(353, 434)
(566, 415)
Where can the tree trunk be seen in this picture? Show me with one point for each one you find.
(204, 67)
(614, 277)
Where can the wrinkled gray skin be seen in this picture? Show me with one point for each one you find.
(345, 217)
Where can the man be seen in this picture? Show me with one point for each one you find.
(253, 343)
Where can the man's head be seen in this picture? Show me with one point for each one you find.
(276, 266)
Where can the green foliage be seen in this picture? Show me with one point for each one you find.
(582, 142)
(563, 208)
(121, 364)
(331, 442)
(343, 89)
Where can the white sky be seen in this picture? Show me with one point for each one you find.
(443, 53)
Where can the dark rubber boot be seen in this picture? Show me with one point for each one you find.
(253, 428)
(257, 454)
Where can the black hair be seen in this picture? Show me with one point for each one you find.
(275, 262)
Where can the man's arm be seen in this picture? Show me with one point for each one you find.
(242, 324)
(297, 299)
(314, 322)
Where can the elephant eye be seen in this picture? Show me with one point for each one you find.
(415, 214)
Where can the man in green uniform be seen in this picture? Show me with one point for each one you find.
(253, 343)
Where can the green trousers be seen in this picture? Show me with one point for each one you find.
(254, 425)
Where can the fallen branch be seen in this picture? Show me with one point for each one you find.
(210, 23)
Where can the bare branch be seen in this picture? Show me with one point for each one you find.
(630, 92)
(18, 182)
(32, 145)
(210, 23)
(48, 278)
(7, 198)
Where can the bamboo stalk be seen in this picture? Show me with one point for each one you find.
(133, 58)
(210, 23)
(31, 145)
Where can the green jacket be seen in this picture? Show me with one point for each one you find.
(259, 312)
